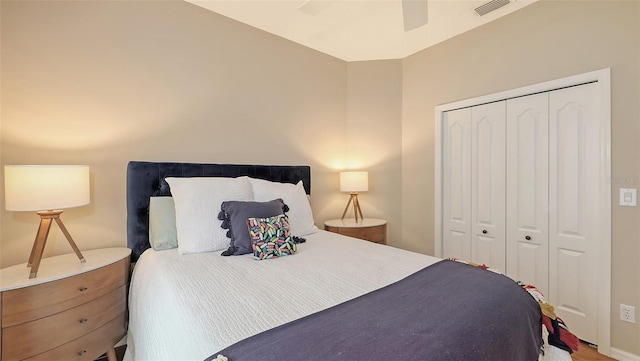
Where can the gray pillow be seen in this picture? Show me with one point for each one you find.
(234, 216)
(162, 223)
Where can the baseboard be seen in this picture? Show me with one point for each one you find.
(122, 342)
(623, 355)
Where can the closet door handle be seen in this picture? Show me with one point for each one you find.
(484, 231)
(528, 238)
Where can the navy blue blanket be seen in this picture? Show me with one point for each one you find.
(447, 311)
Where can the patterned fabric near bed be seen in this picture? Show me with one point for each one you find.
(447, 311)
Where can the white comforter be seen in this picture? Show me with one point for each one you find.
(187, 307)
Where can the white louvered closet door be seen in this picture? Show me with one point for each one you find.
(527, 159)
(575, 169)
(456, 212)
(488, 185)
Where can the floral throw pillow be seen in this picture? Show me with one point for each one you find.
(270, 237)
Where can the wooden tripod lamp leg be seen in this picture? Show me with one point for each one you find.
(47, 226)
(38, 245)
(347, 207)
(356, 207)
(46, 218)
(71, 242)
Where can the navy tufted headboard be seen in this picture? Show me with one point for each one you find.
(146, 179)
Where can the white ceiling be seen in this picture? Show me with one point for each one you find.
(355, 30)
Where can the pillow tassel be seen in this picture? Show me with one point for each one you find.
(230, 251)
(224, 217)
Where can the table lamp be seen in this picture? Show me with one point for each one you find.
(354, 182)
(46, 189)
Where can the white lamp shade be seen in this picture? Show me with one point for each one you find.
(45, 187)
(354, 182)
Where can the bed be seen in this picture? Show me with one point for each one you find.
(336, 298)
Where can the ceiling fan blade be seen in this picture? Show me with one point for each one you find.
(414, 13)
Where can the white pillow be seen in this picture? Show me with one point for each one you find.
(294, 196)
(197, 203)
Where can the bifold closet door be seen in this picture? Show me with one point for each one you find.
(575, 172)
(527, 159)
(488, 185)
(456, 210)
(474, 184)
(524, 190)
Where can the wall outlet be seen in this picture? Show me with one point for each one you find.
(627, 313)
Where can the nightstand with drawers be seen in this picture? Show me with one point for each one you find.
(71, 311)
(369, 229)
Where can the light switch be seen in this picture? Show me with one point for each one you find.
(628, 197)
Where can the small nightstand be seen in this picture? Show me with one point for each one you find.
(369, 229)
(71, 311)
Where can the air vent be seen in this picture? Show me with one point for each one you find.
(490, 6)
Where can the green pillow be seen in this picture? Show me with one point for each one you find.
(162, 223)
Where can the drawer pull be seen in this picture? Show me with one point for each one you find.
(82, 289)
(82, 352)
(83, 320)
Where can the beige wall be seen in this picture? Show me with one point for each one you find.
(374, 139)
(102, 83)
(544, 41)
